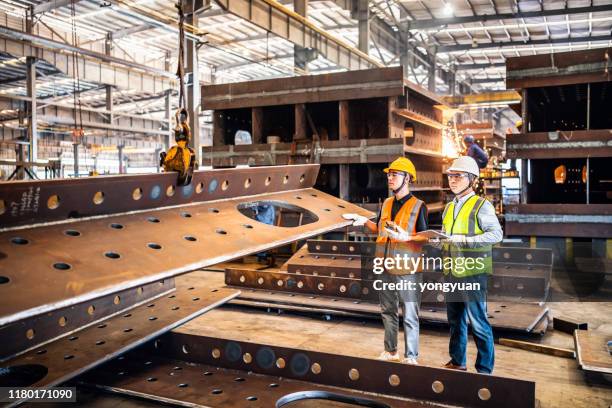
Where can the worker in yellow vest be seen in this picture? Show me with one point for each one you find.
(473, 227)
(400, 218)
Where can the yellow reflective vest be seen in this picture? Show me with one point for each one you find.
(465, 261)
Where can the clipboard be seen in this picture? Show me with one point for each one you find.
(433, 234)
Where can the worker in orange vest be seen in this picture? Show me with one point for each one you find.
(399, 220)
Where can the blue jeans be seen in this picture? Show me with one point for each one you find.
(458, 314)
(409, 301)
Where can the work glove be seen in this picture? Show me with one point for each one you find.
(358, 220)
(399, 234)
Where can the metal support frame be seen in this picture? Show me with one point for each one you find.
(93, 66)
(477, 18)
(273, 17)
(75, 159)
(300, 57)
(363, 21)
(32, 117)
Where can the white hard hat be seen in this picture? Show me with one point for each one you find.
(465, 164)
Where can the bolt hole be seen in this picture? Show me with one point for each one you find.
(98, 198)
(72, 233)
(112, 255)
(19, 241)
(153, 245)
(61, 266)
(116, 226)
(137, 194)
(190, 238)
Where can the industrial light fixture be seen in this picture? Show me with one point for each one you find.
(448, 9)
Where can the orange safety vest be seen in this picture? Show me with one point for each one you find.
(406, 218)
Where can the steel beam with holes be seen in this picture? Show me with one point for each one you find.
(75, 261)
(181, 382)
(518, 272)
(29, 202)
(30, 332)
(391, 379)
(69, 356)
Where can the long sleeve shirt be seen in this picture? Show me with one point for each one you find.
(487, 220)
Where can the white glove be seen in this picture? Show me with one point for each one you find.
(358, 220)
(399, 235)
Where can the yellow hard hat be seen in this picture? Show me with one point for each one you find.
(402, 164)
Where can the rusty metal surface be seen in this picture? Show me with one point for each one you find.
(400, 380)
(82, 260)
(181, 382)
(556, 69)
(509, 316)
(32, 331)
(324, 151)
(561, 144)
(593, 351)
(360, 84)
(26, 202)
(518, 272)
(82, 350)
(297, 283)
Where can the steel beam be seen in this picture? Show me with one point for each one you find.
(51, 5)
(274, 17)
(469, 67)
(65, 358)
(370, 83)
(438, 22)
(180, 381)
(564, 68)
(33, 116)
(34, 331)
(372, 376)
(77, 260)
(92, 66)
(559, 144)
(480, 46)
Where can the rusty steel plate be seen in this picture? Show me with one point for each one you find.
(297, 283)
(69, 356)
(510, 316)
(184, 383)
(30, 332)
(393, 379)
(593, 351)
(63, 264)
(28, 202)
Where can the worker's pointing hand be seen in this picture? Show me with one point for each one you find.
(358, 220)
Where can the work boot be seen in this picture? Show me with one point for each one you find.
(454, 366)
(387, 356)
